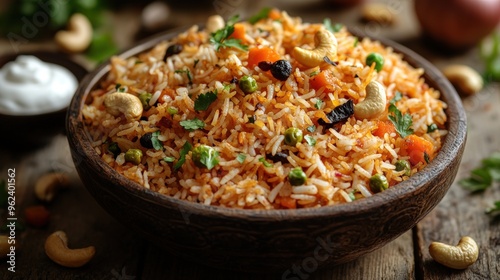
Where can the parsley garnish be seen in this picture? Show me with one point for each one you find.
(356, 41)
(426, 158)
(332, 28)
(314, 73)
(310, 140)
(157, 145)
(118, 86)
(169, 159)
(182, 155)
(251, 119)
(192, 124)
(188, 74)
(220, 38)
(401, 122)
(398, 96)
(318, 104)
(172, 110)
(204, 100)
(262, 14)
(241, 158)
(483, 177)
(265, 163)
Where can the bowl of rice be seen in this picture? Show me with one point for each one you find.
(267, 143)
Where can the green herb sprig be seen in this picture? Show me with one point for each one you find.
(193, 124)
(204, 100)
(220, 38)
(182, 155)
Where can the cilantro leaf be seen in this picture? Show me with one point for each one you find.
(188, 74)
(265, 163)
(318, 104)
(192, 124)
(262, 14)
(310, 140)
(332, 28)
(241, 158)
(157, 145)
(494, 208)
(479, 180)
(205, 156)
(401, 122)
(220, 38)
(398, 96)
(169, 159)
(182, 155)
(204, 100)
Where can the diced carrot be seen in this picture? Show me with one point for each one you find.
(323, 79)
(416, 147)
(239, 32)
(256, 55)
(384, 127)
(288, 202)
(274, 14)
(37, 216)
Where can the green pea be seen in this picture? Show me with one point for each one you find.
(378, 183)
(114, 148)
(145, 98)
(376, 58)
(205, 156)
(293, 136)
(248, 84)
(134, 156)
(297, 177)
(403, 165)
(432, 127)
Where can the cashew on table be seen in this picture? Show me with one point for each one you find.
(458, 257)
(47, 185)
(464, 79)
(56, 248)
(325, 45)
(78, 36)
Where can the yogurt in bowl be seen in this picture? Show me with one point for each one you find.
(30, 86)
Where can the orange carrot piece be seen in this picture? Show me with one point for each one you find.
(323, 79)
(288, 202)
(239, 32)
(256, 55)
(416, 146)
(274, 14)
(384, 127)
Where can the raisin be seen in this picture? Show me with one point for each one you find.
(281, 69)
(172, 50)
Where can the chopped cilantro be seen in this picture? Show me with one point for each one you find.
(182, 155)
(118, 86)
(188, 74)
(311, 128)
(241, 158)
(205, 156)
(426, 158)
(314, 73)
(352, 196)
(401, 122)
(192, 124)
(251, 119)
(157, 145)
(169, 159)
(265, 163)
(310, 140)
(332, 28)
(318, 104)
(356, 41)
(398, 96)
(204, 100)
(220, 38)
(196, 62)
(262, 14)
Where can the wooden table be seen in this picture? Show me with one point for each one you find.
(122, 254)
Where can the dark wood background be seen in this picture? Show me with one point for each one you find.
(121, 254)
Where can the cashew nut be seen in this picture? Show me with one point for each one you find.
(464, 79)
(325, 45)
(4, 246)
(47, 185)
(56, 248)
(126, 103)
(379, 13)
(458, 257)
(78, 36)
(374, 102)
(214, 23)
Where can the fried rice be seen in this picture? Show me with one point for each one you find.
(246, 130)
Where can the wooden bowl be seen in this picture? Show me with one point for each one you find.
(269, 240)
(25, 131)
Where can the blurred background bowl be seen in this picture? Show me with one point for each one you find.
(21, 131)
(264, 240)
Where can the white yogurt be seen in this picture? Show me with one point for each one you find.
(29, 86)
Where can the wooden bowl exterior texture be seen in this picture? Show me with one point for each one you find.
(259, 240)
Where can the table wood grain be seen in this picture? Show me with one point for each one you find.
(121, 254)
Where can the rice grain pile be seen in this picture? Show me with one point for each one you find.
(249, 161)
